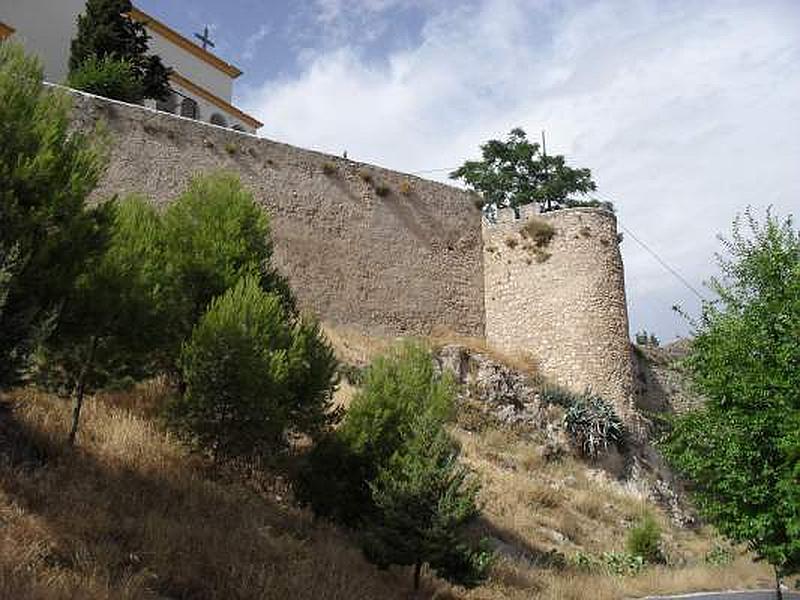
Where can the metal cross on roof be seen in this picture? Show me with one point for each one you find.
(204, 38)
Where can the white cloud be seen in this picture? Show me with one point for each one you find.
(686, 112)
(251, 42)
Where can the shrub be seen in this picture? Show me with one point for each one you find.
(622, 563)
(559, 396)
(215, 234)
(108, 77)
(423, 499)
(397, 389)
(405, 187)
(538, 231)
(46, 226)
(365, 176)
(328, 168)
(230, 148)
(382, 190)
(105, 29)
(250, 376)
(719, 555)
(644, 540)
(593, 425)
(619, 564)
(354, 375)
(110, 330)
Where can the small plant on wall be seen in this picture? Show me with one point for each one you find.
(538, 231)
(537, 234)
(328, 168)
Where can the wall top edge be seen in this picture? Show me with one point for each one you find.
(145, 110)
(507, 216)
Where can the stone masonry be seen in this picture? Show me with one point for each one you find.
(389, 253)
(562, 301)
(395, 264)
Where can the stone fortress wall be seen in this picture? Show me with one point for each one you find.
(395, 264)
(403, 262)
(561, 299)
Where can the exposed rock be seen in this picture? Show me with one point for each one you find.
(511, 398)
(508, 395)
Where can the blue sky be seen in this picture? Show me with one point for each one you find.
(686, 111)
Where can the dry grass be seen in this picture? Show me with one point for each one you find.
(130, 514)
(538, 231)
(354, 347)
(539, 507)
(521, 361)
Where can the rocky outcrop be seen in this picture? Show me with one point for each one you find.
(511, 398)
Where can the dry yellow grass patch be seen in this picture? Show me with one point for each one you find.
(354, 347)
(130, 514)
(563, 506)
(521, 361)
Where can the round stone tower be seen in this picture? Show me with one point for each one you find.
(555, 289)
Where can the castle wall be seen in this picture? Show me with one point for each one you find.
(563, 302)
(398, 264)
(417, 258)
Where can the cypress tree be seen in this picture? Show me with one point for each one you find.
(105, 29)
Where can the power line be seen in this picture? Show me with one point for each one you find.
(656, 256)
(627, 230)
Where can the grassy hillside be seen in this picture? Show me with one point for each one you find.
(131, 514)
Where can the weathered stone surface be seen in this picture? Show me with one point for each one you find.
(563, 301)
(398, 264)
(402, 263)
(506, 394)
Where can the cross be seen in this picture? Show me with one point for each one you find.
(204, 38)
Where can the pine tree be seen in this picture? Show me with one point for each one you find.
(105, 29)
(47, 231)
(424, 498)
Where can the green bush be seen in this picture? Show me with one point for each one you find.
(251, 376)
(397, 389)
(423, 499)
(720, 555)
(644, 539)
(619, 564)
(622, 563)
(214, 235)
(46, 174)
(105, 29)
(108, 77)
(593, 425)
(558, 396)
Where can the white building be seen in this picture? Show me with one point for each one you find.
(202, 83)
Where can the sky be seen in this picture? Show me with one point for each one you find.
(687, 112)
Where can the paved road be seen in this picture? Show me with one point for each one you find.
(762, 595)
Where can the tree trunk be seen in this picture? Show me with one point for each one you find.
(778, 590)
(417, 571)
(80, 388)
